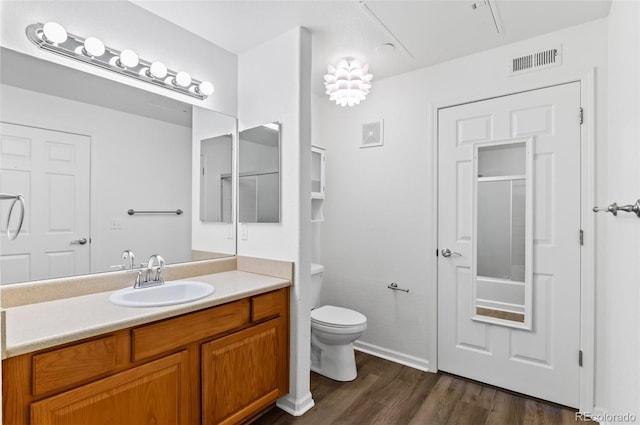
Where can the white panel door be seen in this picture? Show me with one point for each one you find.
(542, 362)
(51, 169)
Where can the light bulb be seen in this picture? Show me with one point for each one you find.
(157, 70)
(93, 47)
(54, 33)
(182, 79)
(128, 59)
(205, 88)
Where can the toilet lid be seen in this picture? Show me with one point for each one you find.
(337, 316)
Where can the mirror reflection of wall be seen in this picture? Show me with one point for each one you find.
(139, 156)
(216, 182)
(259, 174)
(501, 231)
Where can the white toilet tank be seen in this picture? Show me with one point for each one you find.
(317, 270)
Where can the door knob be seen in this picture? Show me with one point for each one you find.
(79, 241)
(447, 253)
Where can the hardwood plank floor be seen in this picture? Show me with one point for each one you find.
(386, 393)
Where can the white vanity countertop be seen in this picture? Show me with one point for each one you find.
(36, 326)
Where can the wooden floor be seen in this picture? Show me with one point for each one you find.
(387, 393)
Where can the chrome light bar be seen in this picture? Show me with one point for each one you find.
(53, 37)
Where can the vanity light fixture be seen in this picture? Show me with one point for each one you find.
(53, 38)
(348, 82)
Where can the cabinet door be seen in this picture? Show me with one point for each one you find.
(240, 373)
(154, 393)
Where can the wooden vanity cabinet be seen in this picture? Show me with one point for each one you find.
(221, 365)
(154, 393)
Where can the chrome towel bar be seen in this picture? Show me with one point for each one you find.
(614, 208)
(132, 212)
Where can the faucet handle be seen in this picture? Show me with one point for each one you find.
(139, 280)
(159, 277)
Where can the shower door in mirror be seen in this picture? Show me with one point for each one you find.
(502, 233)
(51, 169)
(508, 234)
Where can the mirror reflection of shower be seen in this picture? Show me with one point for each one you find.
(502, 278)
(259, 176)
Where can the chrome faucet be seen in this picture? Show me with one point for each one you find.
(150, 279)
(158, 277)
(128, 255)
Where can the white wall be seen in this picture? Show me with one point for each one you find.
(379, 207)
(121, 24)
(130, 159)
(618, 361)
(274, 85)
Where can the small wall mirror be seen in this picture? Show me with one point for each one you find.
(259, 174)
(503, 211)
(216, 163)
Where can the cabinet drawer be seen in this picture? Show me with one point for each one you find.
(70, 365)
(268, 305)
(173, 333)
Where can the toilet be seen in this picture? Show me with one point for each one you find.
(333, 331)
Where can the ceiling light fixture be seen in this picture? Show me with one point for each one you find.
(53, 38)
(348, 82)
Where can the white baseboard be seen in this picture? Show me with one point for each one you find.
(296, 407)
(391, 355)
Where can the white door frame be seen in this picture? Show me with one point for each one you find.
(587, 253)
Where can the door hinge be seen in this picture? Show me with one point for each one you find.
(581, 115)
(436, 252)
(581, 237)
(580, 358)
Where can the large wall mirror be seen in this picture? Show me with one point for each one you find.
(259, 174)
(502, 220)
(84, 151)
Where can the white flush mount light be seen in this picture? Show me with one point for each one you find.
(348, 83)
(53, 38)
(54, 33)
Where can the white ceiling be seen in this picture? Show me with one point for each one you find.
(433, 31)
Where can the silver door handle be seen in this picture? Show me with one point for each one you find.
(79, 241)
(446, 253)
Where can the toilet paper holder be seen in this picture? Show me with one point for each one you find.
(394, 286)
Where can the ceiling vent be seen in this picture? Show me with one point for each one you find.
(536, 61)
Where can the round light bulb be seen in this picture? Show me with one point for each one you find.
(157, 70)
(128, 59)
(182, 79)
(205, 88)
(93, 47)
(54, 33)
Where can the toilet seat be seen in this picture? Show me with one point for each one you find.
(337, 317)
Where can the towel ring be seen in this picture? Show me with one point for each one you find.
(13, 204)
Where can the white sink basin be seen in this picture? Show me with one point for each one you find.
(178, 292)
